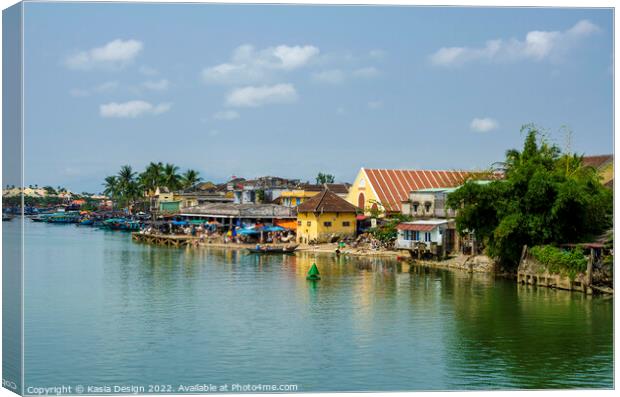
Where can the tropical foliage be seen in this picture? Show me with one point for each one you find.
(127, 188)
(546, 197)
(556, 260)
(324, 178)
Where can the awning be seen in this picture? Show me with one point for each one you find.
(416, 227)
(360, 217)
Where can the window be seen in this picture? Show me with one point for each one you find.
(298, 223)
(415, 206)
(427, 206)
(327, 224)
(346, 224)
(427, 237)
(416, 236)
(309, 223)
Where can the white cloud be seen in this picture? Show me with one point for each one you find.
(159, 85)
(377, 54)
(334, 76)
(249, 65)
(483, 124)
(132, 109)
(254, 96)
(148, 71)
(108, 86)
(214, 132)
(114, 55)
(375, 105)
(537, 45)
(227, 115)
(366, 73)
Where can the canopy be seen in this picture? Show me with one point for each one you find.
(179, 223)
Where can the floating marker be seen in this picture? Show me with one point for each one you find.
(313, 273)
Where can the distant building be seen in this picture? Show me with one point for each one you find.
(384, 190)
(292, 198)
(233, 214)
(325, 216)
(264, 189)
(604, 165)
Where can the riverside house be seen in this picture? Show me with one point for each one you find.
(324, 217)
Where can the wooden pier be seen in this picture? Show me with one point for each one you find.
(169, 240)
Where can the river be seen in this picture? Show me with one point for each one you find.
(103, 310)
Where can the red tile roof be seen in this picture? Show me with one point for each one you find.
(393, 186)
(326, 201)
(597, 161)
(417, 227)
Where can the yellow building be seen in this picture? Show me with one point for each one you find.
(604, 165)
(324, 216)
(293, 198)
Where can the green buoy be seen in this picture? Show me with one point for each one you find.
(313, 273)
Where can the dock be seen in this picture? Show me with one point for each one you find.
(169, 240)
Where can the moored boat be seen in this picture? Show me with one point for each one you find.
(266, 249)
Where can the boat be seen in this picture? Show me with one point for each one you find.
(86, 222)
(6, 218)
(63, 217)
(122, 224)
(266, 249)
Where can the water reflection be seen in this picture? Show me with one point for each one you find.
(108, 310)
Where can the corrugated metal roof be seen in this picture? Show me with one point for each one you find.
(393, 186)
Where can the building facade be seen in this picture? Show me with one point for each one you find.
(325, 217)
(383, 191)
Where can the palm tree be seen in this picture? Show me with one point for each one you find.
(190, 178)
(171, 177)
(151, 178)
(111, 188)
(128, 187)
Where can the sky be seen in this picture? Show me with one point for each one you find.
(254, 90)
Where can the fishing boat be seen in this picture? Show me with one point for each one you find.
(122, 224)
(266, 249)
(64, 217)
(87, 222)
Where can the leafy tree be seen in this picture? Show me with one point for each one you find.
(152, 178)
(49, 190)
(171, 178)
(190, 178)
(546, 197)
(322, 178)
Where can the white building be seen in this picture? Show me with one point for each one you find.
(426, 235)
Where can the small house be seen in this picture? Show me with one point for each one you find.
(434, 236)
(324, 217)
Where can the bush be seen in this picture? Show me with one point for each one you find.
(556, 260)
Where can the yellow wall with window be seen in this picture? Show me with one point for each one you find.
(362, 195)
(319, 227)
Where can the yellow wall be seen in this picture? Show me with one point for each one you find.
(361, 185)
(606, 172)
(317, 230)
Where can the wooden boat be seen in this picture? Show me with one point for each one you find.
(266, 249)
(6, 218)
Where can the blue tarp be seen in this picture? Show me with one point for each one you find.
(179, 223)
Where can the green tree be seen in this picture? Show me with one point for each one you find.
(171, 178)
(190, 178)
(322, 178)
(152, 178)
(546, 197)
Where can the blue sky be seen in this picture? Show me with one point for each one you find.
(293, 90)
